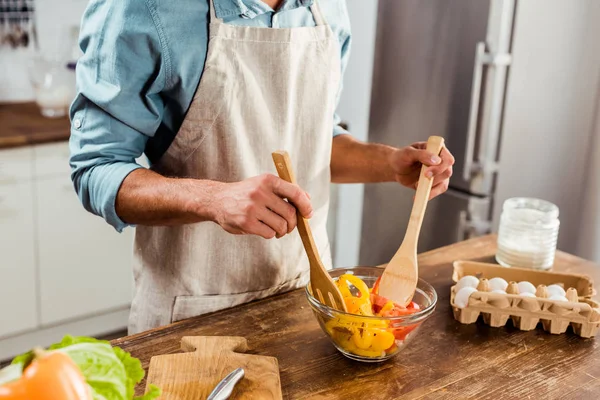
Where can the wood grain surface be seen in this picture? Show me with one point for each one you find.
(447, 360)
(206, 360)
(22, 124)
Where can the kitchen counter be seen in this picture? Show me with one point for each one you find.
(22, 124)
(446, 360)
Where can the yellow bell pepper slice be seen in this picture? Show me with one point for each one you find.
(382, 340)
(351, 348)
(353, 333)
(344, 289)
(363, 338)
(353, 304)
(366, 309)
(357, 283)
(387, 307)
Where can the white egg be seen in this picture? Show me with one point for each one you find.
(526, 294)
(498, 291)
(555, 290)
(461, 300)
(558, 298)
(498, 284)
(526, 287)
(467, 281)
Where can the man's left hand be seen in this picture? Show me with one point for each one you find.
(406, 162)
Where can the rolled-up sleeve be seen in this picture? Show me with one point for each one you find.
(118, 104)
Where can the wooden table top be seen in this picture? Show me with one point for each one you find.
(446, 360)
(22, 124)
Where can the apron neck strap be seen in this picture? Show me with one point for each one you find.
(213, 15)
(317, 14)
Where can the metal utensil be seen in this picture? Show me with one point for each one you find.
(224, 389)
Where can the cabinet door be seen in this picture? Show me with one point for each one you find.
(18, 297)
(85, 265)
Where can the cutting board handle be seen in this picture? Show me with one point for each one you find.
(208, 344)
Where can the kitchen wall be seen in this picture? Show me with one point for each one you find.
(54, 21)
(588, 245)
(551, 111)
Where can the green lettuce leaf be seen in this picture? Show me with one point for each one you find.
(111, 372)
(133, 370)
(152, 394)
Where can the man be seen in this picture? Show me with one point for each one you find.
(208, 93)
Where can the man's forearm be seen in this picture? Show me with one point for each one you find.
(148, 198)
(353, 161)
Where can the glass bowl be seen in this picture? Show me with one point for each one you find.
(350, 333)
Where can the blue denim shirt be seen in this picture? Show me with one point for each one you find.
(142, 62)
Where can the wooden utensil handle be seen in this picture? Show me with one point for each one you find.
(284, 168)
(435, 144)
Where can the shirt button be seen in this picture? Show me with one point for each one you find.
(77, 123)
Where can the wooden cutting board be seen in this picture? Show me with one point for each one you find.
(208, 359)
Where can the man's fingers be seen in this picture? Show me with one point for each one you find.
(421, 156)
(295, 195)
(419, 145)
(273, 221)
(443, 176)
(283, 209)
(438, 189)
(261, 229)
(447, 162)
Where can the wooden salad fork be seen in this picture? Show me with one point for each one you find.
(321, 286)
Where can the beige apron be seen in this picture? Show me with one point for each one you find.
(262, 89)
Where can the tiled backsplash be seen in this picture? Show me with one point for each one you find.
(54, 19)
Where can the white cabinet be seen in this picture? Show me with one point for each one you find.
(18, 294)
(18, 289)
(84, 264)
(62, 269)
(15, 165)
(51, 160)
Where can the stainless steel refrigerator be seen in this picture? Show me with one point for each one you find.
(440, 68)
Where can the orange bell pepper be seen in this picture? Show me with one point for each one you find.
(50, 376)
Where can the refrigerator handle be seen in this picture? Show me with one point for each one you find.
(481, 58)
(474, 110)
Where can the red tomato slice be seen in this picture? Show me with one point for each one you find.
(398, 311)
(401, 333)
(378, 302)
(376, 286)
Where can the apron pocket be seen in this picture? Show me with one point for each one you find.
(192, 306)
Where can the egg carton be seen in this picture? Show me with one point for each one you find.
(580, 311)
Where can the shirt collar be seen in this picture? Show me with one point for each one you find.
(251, 8)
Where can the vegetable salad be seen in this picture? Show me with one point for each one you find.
(368, 337)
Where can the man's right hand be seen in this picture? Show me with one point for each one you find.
(256, 206)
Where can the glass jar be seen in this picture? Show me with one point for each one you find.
(54, 86)
(528, 233)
